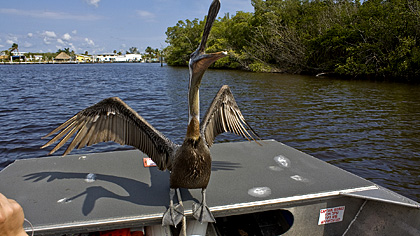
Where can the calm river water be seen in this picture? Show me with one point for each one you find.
(371, 129)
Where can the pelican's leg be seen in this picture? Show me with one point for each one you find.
(183, 231)
(201, 211)
(174, 214)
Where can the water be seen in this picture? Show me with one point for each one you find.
(371, 129)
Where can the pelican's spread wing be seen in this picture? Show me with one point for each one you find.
(224, 115)
(113, 120)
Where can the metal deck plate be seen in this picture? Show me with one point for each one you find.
(57, 193)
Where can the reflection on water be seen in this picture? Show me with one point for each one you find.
(371, 129)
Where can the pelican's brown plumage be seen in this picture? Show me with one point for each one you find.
(189, 163)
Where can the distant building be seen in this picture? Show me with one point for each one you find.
(83, 58)
(113, 57)
(133, 57)
(35, 58)
(62, 57)
(4, 56)
(22, 54)
(105, 57)
(19, 55)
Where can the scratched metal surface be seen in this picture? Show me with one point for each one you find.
(57, 191)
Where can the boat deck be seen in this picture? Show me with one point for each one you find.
(113, 190)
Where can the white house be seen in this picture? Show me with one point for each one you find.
(133, 57)
(105, 57)
(35, 58)
(128, 58)
(19, 55)
(113, 57)
(120, 58)
(38, 57)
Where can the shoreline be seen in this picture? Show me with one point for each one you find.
(67, 62)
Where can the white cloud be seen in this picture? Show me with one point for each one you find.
(49, 14)
(102, 49)
(27, 44)
(11, 39)
(146, 15)
(30, 35)
(49, 34)
(47, 41)
(93, 2)
(60, 41)
(72, 47)
(66, 37)
(89, 42)
(74, 32)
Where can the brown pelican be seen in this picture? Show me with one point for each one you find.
(190, 163)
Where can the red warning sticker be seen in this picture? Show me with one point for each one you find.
(331, 215)
(147, 162)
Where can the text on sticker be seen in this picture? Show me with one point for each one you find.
(331, 215)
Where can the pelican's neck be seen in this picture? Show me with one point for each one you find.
(198, 64)
(194, 95)
(193, 130)
(194, 104)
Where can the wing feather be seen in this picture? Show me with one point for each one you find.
(94, 138)
(85, 139)
(224, 115)
(78, 138)
(113, 120)
(61, 126)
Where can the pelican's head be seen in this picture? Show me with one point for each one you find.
(199, 62)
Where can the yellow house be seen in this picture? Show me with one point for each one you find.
(83, 58)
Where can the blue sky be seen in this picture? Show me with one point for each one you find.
(98, 26)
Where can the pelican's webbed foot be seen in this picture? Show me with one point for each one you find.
(173, 216)
(201, 211)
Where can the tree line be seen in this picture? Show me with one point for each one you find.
(371, 39)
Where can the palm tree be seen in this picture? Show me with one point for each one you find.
(133, 50)
(14, 47)
(149, 50)
(157, 53)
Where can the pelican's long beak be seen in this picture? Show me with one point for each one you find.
(211, 17)
(199, 60)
